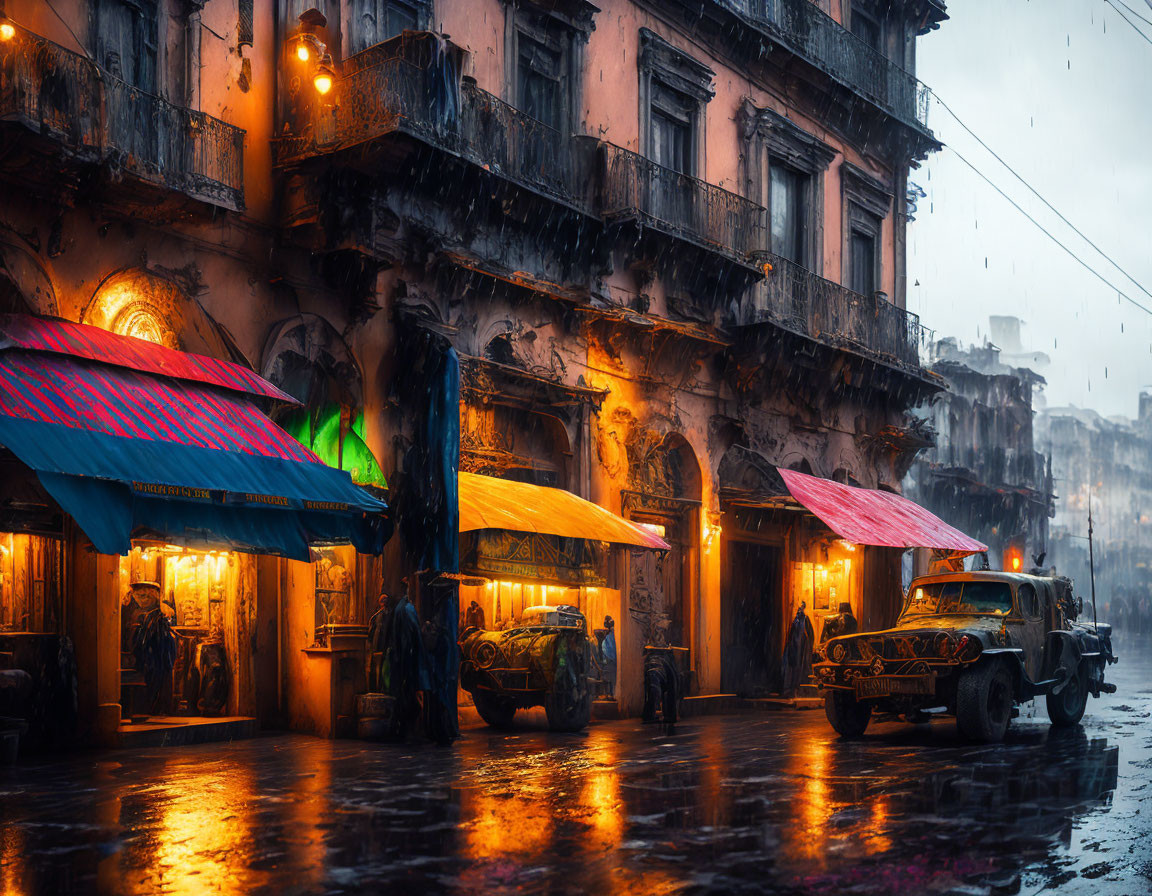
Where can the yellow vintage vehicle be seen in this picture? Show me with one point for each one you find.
(972, 644)
(545, 660)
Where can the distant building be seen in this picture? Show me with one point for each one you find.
(1107, 461)
(984, 474)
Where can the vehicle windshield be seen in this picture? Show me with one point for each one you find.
(963, 598)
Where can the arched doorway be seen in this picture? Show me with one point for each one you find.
(664, 495)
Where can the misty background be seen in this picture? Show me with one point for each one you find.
(1062, 91)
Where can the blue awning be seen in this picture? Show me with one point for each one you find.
(133, 454)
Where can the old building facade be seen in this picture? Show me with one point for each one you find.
(1105, 463)
(984, 472)
(666, 241)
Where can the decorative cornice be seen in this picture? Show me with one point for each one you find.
(579, 15)
(675, 67)
(865, 190)
(785, 139)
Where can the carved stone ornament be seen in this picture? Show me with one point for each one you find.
(674, 67)
(784, 139)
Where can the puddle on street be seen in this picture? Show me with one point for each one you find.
(761, 802)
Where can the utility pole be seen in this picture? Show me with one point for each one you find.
(1092, 564)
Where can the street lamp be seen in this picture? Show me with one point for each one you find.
(324, 76)
(7, 29)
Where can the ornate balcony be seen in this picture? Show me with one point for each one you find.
(70, 104)
(801, 27)
(798, 300)
(395, 96)
(682, 206)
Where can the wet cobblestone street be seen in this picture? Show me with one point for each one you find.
(769, 802)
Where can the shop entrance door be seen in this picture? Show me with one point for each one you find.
(750, 608)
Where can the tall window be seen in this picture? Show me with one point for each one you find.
(670, 137)
(784, 166)
(862, 249)
(126, 41)
(539, 78)
(866, 202)
(867, 25)
(375, 21)
(674, 91)
(788, 211)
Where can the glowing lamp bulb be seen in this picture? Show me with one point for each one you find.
(1015, 564)
(302, 52)
(322, 82)
(7, 30)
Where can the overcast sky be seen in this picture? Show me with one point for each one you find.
(1062, 90)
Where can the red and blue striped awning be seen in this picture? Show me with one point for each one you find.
(134, 439)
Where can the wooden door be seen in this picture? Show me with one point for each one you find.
(751, 606)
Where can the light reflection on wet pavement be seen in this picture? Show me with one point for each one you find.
(769, 802)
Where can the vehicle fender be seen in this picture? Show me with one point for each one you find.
(1062, 651)
(1014, 658)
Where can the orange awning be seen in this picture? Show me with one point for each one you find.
(490, 503)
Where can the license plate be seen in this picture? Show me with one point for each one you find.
(884, 685)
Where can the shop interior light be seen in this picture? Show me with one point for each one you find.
(7, 29)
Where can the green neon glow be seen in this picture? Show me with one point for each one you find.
(324, 439)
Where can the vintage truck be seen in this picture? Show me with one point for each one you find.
(545, 660)
(973, 644)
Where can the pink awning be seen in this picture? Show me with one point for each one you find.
(867, 516)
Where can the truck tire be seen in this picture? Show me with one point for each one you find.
(495, 710)
(1067, 708)
(847, 715)
(984, 701)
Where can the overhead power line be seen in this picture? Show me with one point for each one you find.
(1131, 10)
(1131, 24)
(1050, 235)
(1037, 194)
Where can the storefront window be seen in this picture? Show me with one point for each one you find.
(31, 574)
(207, 599)
(336, 602)
(824, 585)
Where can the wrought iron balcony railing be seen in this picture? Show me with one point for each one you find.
(67, 99)
(187, 150)
(633, 186)
(800, 301)
(805, 29)
(395, 96)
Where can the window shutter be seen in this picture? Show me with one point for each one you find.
(244, 28)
